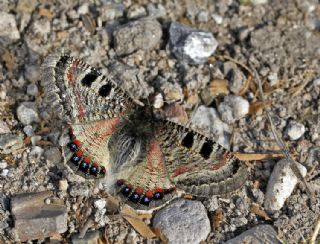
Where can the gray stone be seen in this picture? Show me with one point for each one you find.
(53, 155)
(142, 34)
(316, 82)
(111, 11)
(136, 11)
(191, 45)
(234, 75)
(4, 127)
(281, 184)
(233, 108)
(258, 234)
(79, 189)
(32, 73)
(33, 219)
(42, 27)
(156, 11)
(295, 130)
(8, 28)
(35, 154)
(207, 120)
(10, 143)
(32, 90)
(27, 113)
(183, 221)
(89, 238)
(28, 130)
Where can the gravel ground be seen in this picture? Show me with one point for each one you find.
(159, 50)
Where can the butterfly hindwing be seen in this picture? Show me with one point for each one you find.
(78, 93)
(197, 164)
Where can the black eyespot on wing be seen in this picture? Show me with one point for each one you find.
(89, 78)
(105, 90)
(62, 61)
(206, 149)
(187, 141)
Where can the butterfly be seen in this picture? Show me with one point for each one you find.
(148, 158)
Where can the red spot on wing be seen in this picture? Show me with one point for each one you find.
(184, 168)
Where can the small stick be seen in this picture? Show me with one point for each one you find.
(315, 232)
(280, 142)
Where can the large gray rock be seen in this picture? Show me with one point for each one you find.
(183, 221)
(256, 235)
(142, 34)
(33, 219)
(190, 44)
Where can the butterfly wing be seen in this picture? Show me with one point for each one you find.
(197, 164)
(91, 105)
(78, 93)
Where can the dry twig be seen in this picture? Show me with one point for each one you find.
(280, 142)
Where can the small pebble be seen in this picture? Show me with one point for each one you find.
(158, 101)
(183, 221)
(8, 27)
(295, 130)
(233, 108)
(4, 129)
(4, 172)
(191, 45)
(27, 113)
(100, 204)
(28, 130)
(316, 82)
(257, 2)
(3, 164)
(144, 34)
(63, 185)
(32, 90)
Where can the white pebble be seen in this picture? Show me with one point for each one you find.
(316, 82)
(281, 184)
(3, 164)
(8, 27)
(158, 101)
(233, 108)
(4, 172)
(295, 130)
(100, 204)
(63, 185)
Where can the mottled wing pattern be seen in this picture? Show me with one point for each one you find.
(78, 93)
(92, 106)
(197, 164)
(147, 185)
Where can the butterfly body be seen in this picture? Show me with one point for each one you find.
(112, 136)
